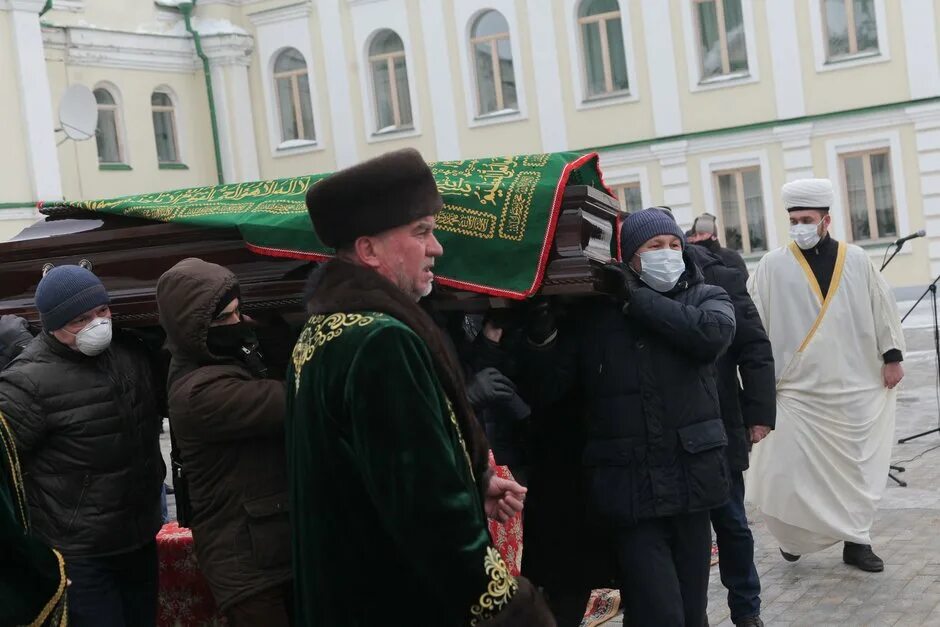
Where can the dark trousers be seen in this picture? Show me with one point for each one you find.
(664, 564)
(114, 591)
(736, 551)
(270, 608)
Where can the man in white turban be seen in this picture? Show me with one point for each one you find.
(837, 344)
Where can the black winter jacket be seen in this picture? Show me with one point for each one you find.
(655, 438)
(750, 355)
(87, 429)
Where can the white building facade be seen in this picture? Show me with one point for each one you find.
(702, 105)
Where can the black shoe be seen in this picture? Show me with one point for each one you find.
(861, 556)
(790, 557)
(749, 621)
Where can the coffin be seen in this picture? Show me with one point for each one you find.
(570, 225)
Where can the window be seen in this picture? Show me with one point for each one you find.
(742, 210)
(390, 82)
(631, 200)
(164, 127)
(602, 46)
(292, 86)
(107, 138)
(492, 60)
(722, 47)
(850, 27)
(870, 195)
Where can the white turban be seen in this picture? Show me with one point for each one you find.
(809, 193)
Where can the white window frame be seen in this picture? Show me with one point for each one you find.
(389, 59)
(119, 123)
(296, 95)
(820, 37)
(368, 18)
(617, 176)
(712, 165)
(276, 30)
(178, 121)
(694, 59)
(466, 13)
(583, 100)
(879, 140)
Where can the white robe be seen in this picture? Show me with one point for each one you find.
(818, 477)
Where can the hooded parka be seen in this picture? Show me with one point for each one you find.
(229, 426)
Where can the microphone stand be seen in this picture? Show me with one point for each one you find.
(931, 289)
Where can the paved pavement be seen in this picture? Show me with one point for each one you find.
(821, 590)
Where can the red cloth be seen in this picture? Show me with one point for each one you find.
(507, 537)
(185, 598)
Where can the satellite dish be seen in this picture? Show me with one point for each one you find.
(78, 113)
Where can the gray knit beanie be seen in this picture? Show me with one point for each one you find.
(641, 226)
(67, 292)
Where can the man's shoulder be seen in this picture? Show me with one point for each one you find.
(350, 332)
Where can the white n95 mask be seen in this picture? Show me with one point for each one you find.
(95, 338)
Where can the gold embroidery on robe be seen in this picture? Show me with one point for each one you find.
(322, 329)
(499, 591)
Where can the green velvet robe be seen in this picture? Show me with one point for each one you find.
(388, 524)
(32, 576)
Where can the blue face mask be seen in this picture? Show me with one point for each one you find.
(661, 269)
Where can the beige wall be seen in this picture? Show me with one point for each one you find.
(9, 228)
(858, 86)
(732, 104)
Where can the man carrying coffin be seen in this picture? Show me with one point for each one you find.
(388, 468)
(837, 344)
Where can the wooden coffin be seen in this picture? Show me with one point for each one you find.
(130, 254)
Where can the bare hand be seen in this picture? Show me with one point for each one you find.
(504, 499)
(892, 373)
(758, 433)
(492, 332)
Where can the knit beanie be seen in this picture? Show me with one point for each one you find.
(644, 225)
(67, 292)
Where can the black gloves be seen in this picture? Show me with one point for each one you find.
(621, 281)
(489, 386)
(14, 336)
(540, 323)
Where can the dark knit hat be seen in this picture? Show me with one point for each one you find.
(641, 226)
(392, 190)
(67, 292)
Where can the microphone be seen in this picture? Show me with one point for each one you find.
(900, 242)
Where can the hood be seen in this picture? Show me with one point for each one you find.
(187, 296)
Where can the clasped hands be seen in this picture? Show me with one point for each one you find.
(503, 499)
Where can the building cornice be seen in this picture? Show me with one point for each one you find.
(83, 46)
(294, 11)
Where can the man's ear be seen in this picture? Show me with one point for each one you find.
(366, 250)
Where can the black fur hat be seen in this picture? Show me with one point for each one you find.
(388, 191)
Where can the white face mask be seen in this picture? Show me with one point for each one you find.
(805, 235)
(661, 269)
(95, 338)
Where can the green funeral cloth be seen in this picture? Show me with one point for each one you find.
(388, 525)
(496, 226)
(32, 576)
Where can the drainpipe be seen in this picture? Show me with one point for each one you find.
(186, 9)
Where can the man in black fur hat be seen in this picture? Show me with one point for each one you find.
(390, 485)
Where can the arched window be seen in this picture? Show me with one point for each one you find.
(602, 46)
(107, 136)
(164, 127)
(390, 82)
(292, 84)
(492, 60)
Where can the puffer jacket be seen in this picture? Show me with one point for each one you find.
(655, 438)
(229, 426)
(748, 361)
(88, 433)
